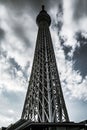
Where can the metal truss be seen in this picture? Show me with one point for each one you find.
(44, 99)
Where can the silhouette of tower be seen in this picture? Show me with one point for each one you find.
(44, 99)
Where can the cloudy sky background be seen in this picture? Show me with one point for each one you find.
(18, 32)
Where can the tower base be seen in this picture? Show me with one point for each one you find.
(26, 125)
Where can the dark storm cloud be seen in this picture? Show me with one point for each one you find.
(3, 54)
(2, 34)
(14, 64)
(80, 9)
(31, 5)
(35, 5)
(80, 55)
(15, 67)
(59, 18)
(12, 68)
(20, 33)
(67, 49)
(20, 7)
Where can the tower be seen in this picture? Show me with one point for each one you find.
(44, 99)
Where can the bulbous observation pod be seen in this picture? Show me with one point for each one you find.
(43, 17)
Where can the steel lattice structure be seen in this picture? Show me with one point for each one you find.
(44, 99)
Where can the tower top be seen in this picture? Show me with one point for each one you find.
(43, 7)
(43, 17)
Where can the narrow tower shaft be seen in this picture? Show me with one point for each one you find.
(44, 100)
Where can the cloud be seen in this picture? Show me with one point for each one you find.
(67, 47)
(80, 54)
(11, 106)
(12, 74)
(76, 110)
(15, 58)
(22, 3)
(71, 80)
(80, 9)
(16, 36)
(2, 34)
(34, 4)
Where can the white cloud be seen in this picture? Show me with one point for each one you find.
(11, 107)
(13, 43)
(83, 24)
(5, 121)
(14, 80)
(72, 81)
(3, 12)
(8, 79)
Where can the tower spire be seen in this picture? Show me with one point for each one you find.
(44, 99)
(43, 7)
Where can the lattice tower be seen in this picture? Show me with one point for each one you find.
(44, 99)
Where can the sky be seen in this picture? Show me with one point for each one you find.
(18, 33)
